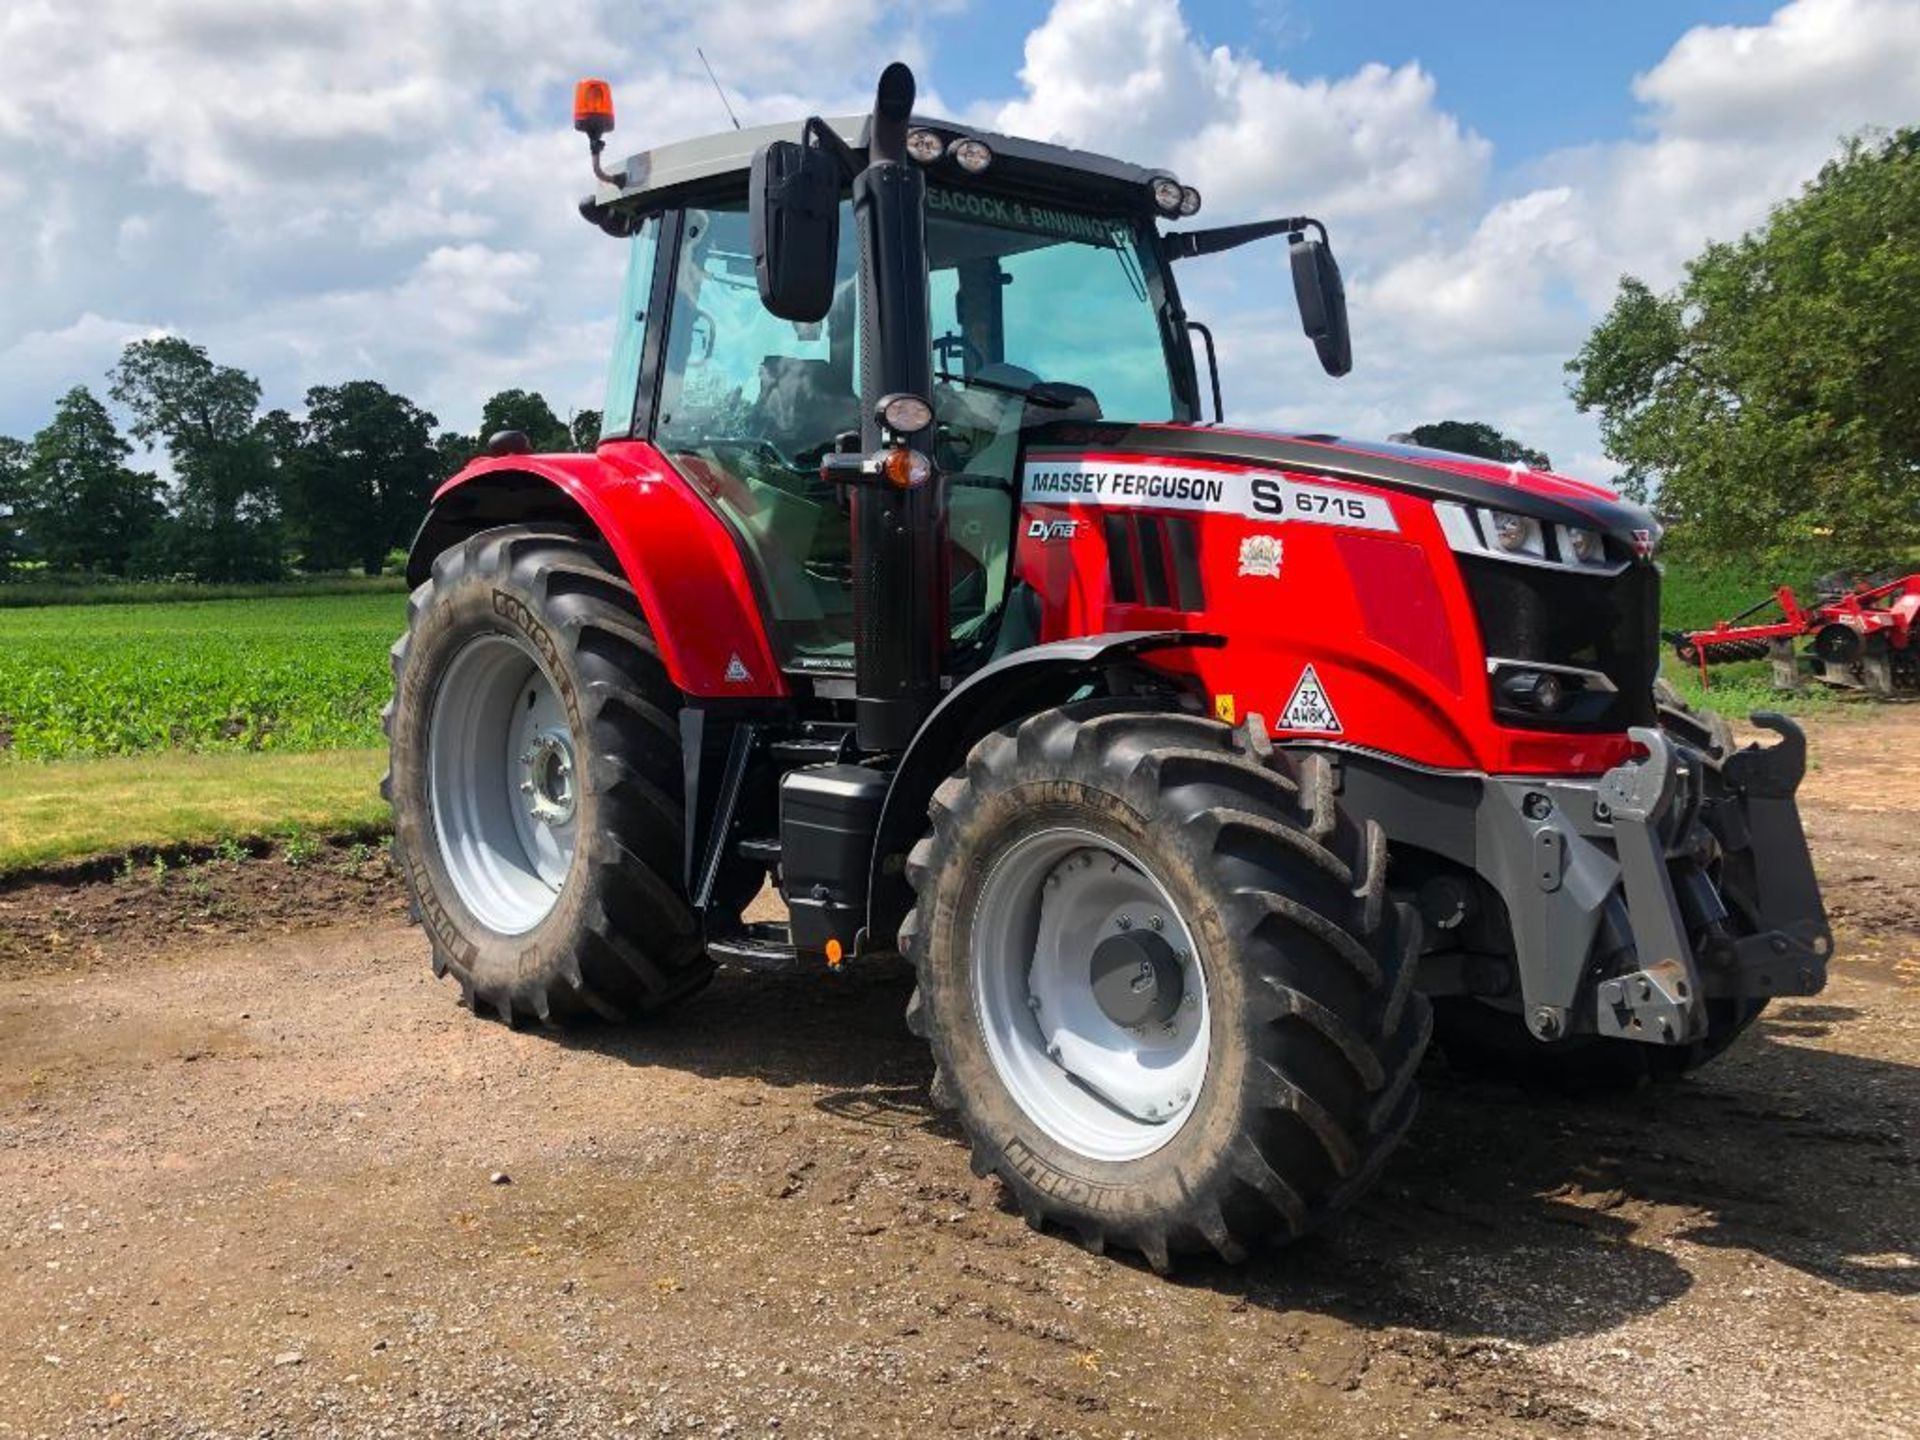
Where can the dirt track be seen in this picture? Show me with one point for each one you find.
(247, 1190)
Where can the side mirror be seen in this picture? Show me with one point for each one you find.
(1323, 302)
(794, 212)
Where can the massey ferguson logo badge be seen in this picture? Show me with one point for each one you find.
(1049, 531)
(1643, 544)
(1260, 556)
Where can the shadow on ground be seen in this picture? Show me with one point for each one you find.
(1519, 1216)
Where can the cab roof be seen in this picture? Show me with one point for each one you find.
(659, 177)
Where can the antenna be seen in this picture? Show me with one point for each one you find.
(716, 87)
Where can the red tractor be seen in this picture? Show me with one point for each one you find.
(1197, 772)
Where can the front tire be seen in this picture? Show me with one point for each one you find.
(535, 781)
(1273, 917)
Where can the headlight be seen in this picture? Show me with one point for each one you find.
(1189, 200)
(1585, 546)
(971, 155)
(1167, 194)
(1515, 534)
(1508, 535)
(905, 414)
(926, 146)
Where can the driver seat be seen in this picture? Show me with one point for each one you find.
(802, 404)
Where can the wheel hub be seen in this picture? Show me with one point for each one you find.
(1136, 979)
(1089, 993)
(547, 778)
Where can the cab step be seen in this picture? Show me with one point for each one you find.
(761, 850)
(761, 945)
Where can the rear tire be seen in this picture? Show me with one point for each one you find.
(1313, 1030)
(577, 909)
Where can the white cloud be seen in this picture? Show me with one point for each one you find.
(1128, 77)
(318, 189)
(1738, 118)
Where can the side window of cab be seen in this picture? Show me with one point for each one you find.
(629, 339)
(748, 405)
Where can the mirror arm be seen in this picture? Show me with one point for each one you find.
(1213, 369)
(828, 139)
(1185, 244)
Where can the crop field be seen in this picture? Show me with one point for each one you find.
(309, 672)
(276, 674)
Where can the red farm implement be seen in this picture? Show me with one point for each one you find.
(1865, 636)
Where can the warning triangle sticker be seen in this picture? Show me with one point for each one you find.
(737, 673)
(1309, 708)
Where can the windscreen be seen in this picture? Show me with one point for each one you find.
(1024, 293)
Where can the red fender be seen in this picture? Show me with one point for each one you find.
(676, 552)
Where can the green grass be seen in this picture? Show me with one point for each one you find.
(73, 809)
(281, 674)
(24, 594)
(214, 707)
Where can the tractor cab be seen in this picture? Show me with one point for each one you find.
(1049, 300)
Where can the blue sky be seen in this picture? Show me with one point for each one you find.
(319, 190)
(1533, 76)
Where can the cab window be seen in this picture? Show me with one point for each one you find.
(623, 369)
(749, 404)
(1026, 295)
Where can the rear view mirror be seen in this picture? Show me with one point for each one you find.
(794, 214)
(1323, 302)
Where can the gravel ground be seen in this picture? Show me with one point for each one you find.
(261, 1176)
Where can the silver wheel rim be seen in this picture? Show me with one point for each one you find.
(1104, 1089)
(503, 783)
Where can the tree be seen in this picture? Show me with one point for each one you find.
(83, 507)
(586, 430)
(1476, 437)
(451, 452)
(1770, 399)
(356, 475)
(13, 499)
(526, 411)
(204, 415)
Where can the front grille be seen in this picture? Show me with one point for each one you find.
(1608, 623)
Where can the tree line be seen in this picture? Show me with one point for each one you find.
(253, 494)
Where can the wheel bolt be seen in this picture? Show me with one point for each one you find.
(1189, 1002)
(1053, 1052)
(1155, 922)
(1125, 922)
(1185, 1096)
(526, 787)
(1033, 1003)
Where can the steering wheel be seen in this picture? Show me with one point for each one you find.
(759, 443)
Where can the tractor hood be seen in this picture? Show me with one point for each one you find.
(1439, 474)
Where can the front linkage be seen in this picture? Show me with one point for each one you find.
(1687, 875)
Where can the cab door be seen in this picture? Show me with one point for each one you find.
(748, 404)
